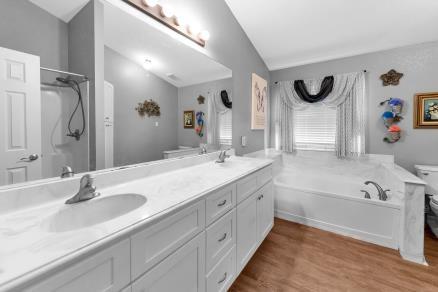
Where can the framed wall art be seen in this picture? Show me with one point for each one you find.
(426, 110)
(259, 100)
(189, 119)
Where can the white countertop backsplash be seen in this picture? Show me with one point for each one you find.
(28, 249)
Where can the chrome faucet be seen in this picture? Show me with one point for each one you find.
(86, 191)
(67, 171)
(203, 149)
(382, 193)
(222, 156)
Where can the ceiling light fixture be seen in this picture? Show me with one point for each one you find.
(150, 3)
(147, 64)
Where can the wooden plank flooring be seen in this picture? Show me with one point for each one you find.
(299, 258)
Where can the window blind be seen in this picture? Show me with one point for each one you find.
(315, 128)
(225, 128)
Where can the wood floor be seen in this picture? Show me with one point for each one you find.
(298, 258)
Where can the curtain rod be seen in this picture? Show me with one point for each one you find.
(64, 72)
(276, 82)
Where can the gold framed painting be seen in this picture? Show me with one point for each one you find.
(426, 110)
(189, 119)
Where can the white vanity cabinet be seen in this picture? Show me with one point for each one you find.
(202, 246)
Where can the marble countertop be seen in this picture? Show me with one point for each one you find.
(25, 238)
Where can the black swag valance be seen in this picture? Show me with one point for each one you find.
(225, 100)
(326, 88)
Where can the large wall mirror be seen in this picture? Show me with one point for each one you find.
(92, 85)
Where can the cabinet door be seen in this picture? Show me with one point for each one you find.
(106, 271)
(247, 233)
(184, 270)
(265, 210)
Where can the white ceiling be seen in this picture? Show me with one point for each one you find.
(62, 9)
(288, 33)
(138, 37)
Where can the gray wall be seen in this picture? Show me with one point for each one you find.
(420, 67)
(187, 100)
(86, 46)
(137, 139)
(230, 46)
(27, 28)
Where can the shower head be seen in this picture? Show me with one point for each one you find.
(63, 80)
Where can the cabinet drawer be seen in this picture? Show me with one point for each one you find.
(183, 270)
(222, 276)
(246, 186)
(264, 176)
(219, 203)
(221, 236)
(107, 271)
(153, 244)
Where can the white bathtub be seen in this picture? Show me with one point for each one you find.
(319, 190)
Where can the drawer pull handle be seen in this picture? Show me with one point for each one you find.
(223, 237)
(223, 279)
(425, 173)
(222, 203)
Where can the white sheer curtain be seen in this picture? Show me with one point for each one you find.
(215, 108)
(347, 96)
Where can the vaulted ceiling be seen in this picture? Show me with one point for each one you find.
(294, 32)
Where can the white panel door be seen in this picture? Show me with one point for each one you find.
(109, 124)
(20, 118)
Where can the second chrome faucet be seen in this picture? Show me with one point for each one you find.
(383, 196)
(86, 191)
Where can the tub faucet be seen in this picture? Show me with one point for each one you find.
(222, 156)
(86, 191)
(382, 193)
(367, 195)
(67, 171)
(203, 149)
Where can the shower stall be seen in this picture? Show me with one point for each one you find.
(64, 122)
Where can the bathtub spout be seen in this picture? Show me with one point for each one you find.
(382, 193)
(367, 195)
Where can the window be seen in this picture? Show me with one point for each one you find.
(225, 128)
(315, 128)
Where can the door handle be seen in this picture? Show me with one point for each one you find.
(31, 158)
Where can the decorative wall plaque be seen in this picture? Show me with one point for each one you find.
(391, 78)
(201, 99)
(149, 108)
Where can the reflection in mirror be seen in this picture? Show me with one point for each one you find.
(98, 87)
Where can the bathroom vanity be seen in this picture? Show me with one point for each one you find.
(187, 224)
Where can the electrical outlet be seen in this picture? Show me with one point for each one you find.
(243, 141)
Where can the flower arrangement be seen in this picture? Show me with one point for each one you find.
(149, 108)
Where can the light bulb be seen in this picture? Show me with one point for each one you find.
(150, 3)
(147, 64)
(180, 20)
(167, 11)
(204, 35)
(194, 28)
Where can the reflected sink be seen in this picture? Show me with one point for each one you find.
(89, 213)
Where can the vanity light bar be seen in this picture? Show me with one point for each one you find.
(166, 15)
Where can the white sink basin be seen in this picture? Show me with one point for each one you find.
(92, 212)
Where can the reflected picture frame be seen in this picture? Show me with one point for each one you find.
(426, 110)
(189, 119)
